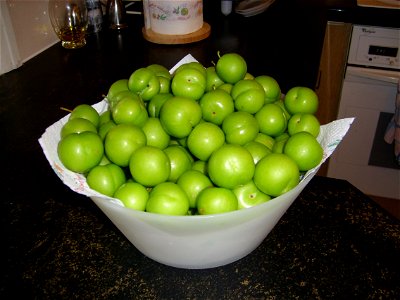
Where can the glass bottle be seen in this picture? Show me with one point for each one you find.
(226, 7)
(69, 21)
(116, 14)
(95, 16)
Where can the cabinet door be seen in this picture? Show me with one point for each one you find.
(331, 72)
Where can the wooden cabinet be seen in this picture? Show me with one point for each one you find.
(331, 73)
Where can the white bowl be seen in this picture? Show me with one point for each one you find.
(191, 242)
(199, 242)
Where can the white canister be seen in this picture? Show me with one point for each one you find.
(173, 17)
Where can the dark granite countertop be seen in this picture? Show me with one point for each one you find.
(333, 242)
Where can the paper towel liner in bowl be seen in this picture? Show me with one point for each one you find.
(193, 242)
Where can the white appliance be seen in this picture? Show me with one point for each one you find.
(369, 93)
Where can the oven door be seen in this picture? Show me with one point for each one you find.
(363, 157)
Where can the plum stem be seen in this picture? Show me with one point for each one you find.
(66, 109)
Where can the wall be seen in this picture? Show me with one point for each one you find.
(30, 24)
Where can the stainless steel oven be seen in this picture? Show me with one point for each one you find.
(369, 94)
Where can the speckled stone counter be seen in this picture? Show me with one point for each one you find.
(332, 243)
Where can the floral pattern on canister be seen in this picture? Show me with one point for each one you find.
(175, 10)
